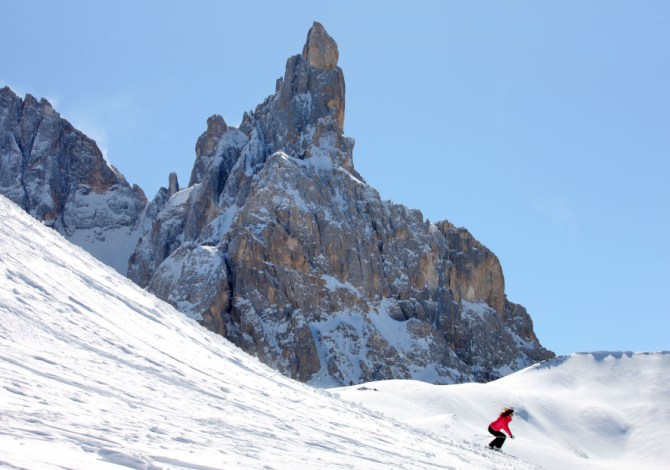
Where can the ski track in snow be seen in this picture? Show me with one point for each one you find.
(98, 374)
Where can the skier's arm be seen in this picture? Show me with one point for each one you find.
(506, 428)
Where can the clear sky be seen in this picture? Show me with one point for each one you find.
(542, 127)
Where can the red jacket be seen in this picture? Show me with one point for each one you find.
(501, 423)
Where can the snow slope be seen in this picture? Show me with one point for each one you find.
(605, 410)
(97, 373)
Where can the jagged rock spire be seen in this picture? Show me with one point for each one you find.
(320, 50)
(205, 147)
(173, 184)
(305, 116)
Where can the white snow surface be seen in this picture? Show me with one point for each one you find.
(601, 410)
(96, 373)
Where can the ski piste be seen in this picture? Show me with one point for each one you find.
(96, 371)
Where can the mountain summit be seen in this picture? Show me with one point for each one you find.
(320, 50)
(280, 245)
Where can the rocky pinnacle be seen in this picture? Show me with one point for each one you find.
(320, 50)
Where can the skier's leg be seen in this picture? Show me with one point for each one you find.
(499, 440)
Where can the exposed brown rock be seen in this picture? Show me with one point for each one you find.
(320, 49)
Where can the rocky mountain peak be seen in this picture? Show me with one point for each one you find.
(320, 50)
(305, 116)
(280, 246)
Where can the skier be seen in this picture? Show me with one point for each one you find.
(501, 423)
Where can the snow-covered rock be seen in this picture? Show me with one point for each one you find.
(282, 247)
(60, 177)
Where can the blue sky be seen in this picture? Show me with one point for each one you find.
(541, 127)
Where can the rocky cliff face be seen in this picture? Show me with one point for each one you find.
(279, 245)
(59, 176)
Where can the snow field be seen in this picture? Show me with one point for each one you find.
(604, 410)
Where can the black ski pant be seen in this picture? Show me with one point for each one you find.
(499, 440)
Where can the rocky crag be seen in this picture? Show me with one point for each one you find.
(59, 176)
(278, 244)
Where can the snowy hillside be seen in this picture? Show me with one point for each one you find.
(587, 411)
(97, 373)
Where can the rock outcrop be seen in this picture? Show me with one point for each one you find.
(281, 246)
(59, 176)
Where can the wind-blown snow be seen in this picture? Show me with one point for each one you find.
(96, 373)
